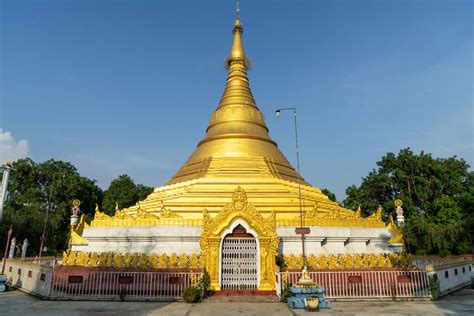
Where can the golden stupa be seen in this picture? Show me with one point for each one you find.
(237, 151)
(236, 184)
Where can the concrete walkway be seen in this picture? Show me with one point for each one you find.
(19, 304)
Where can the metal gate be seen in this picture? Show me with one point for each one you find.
(239, 263)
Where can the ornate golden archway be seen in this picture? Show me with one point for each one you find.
(265, 228)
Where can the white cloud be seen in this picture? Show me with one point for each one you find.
(10, 149)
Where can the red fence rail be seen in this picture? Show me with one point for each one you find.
(366, 284)
(121, 285)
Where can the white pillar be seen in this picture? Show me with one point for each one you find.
(23, 248)
(12, 248)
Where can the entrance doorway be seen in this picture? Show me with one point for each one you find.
(239, 261)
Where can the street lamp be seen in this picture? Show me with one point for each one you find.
(43, 237)
(6, 167)
(301, 230)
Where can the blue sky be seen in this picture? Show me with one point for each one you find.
(128, 86)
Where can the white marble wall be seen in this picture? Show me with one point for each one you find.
(185, 239)
(147, 239)
(335, 240)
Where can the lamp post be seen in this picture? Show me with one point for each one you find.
(7, 167)
(9, 235)
(43, 235)
(301, 230)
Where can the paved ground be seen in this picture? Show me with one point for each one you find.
(19, 304)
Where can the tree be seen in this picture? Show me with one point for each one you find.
(329, 194)
(35, 188)
(124, 192)
(437, 195)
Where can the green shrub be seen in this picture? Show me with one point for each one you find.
(433, 287)
(280, 262)
(191, 294)
(285, 293)
(203, 285)
(444, 253)
(195, 294)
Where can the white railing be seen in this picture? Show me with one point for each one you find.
(366, 284)
(109, 285)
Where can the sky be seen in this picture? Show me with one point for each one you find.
(127, 87)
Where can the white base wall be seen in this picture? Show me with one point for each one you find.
(336, 240)
(146, 239)
(453, 278)
(185, 239)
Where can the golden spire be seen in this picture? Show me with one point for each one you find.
(237, 129)
(237, 52)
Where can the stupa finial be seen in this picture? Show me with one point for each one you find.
(237, 52)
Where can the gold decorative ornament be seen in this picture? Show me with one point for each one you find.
(397, 236)
(398, 203)
(348, 261)
(76, 203)
(265, 229)
(131, 260)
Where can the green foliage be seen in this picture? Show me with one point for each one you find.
(195, 294)
(329, 194)
(191, 294)
(437, 195)
(280, 262)
(285, 293)
(433, 287)
(203, 285)
(30, 187)
(125, 192)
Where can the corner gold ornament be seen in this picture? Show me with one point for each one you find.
(265, 228)
(166, 213)
(397, 236)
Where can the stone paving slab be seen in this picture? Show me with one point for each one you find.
(18, 303)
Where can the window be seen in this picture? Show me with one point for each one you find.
(455, 271)
(435, 277)
(30, 274)
(446, 274)
(463, 269)
(75, 279)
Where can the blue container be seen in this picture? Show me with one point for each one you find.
(299, 294)
(3, 281)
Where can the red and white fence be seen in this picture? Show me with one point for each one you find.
(365, 284)
(109, 285)
(40, 278)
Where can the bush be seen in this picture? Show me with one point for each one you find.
(195, 294)
(444, 253)
(191, 294)
(203, 285)
(433, 287)
(285, 294)
(280, 262)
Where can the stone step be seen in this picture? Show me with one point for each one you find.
(243, 296)
(238, 298)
